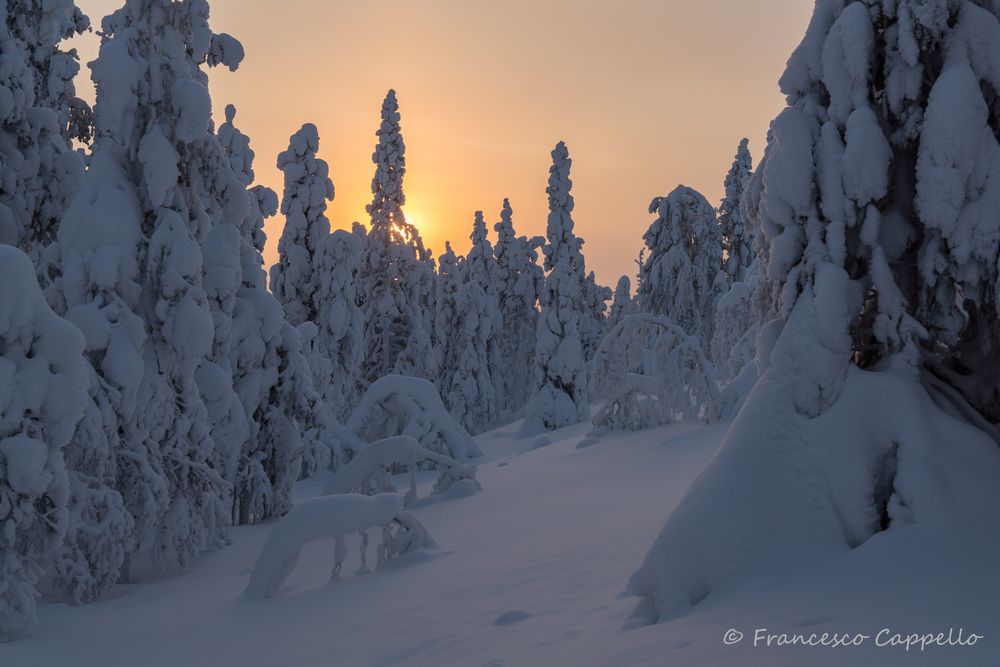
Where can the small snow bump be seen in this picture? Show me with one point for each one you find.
(539, 442)
(511, 616)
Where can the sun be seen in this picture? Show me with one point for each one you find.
(414, 218)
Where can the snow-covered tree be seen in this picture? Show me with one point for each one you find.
(276, 391)
(43, 394)
(396, 277)
(40, 170)
(448, 334)
(562, 399)
(315, 277)
(263, 202)
(157, 130)
(735, 241)
(734, 337)
(41, 26)
(340, 327)
(295, 280)
(878, 197)
(735, 331)
(594, 320)
(224, 199)
(471, 396)
(519, 282)
(270, 373)
(621, 304)
(98, 287)
(900, 192)
(40, 175)
(99, 528)
(680, 277)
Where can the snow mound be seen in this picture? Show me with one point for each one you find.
(413, 406)
(337, 517)
(370, 469)
(787, 489)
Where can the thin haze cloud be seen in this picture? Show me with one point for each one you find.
(647, 94)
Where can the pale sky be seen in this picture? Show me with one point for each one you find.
(647, 94)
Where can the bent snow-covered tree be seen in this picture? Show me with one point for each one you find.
(561, 368)
(399, 405)
(371, 470)
(336, 516)
(650, 372)
(878, 197)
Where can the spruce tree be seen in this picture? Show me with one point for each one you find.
(471, 395)
(735, 240)
(621, 304)
(155, 145)
(448, 335)
(680, 276)
(340, 326)
(295, 279)
(594, 321)
(263, 350)
(396, 275)
(562, 399)
(519, 282)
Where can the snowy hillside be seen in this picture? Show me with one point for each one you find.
(532, 571)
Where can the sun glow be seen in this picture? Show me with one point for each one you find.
(414, 218)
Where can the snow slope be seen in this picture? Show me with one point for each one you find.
(532, 571)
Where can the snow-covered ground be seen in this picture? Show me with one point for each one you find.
(532, 571)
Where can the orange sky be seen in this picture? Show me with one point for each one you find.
(647, 94)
